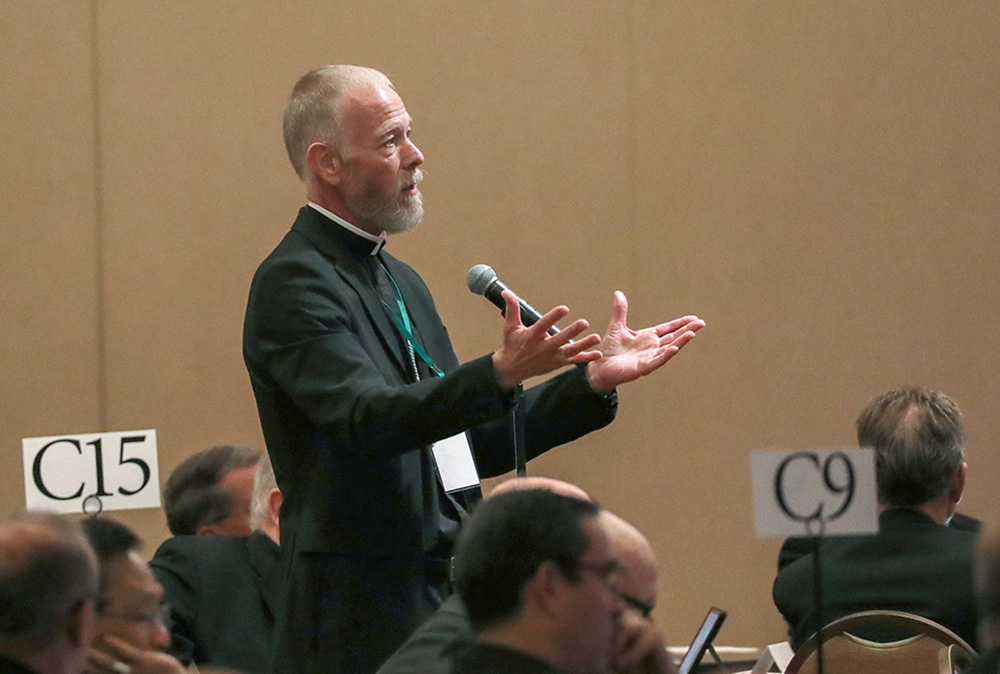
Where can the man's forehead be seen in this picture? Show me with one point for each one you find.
(635, 554)
(600, 542)
(129, 576)
(373, 108)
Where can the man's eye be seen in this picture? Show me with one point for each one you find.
(391, 142)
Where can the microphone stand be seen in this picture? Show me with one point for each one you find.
(818, 587)
(517, 432)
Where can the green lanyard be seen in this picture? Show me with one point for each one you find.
(403, 323)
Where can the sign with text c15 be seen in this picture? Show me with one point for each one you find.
(110, 471)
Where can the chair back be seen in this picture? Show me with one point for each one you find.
(934, 649)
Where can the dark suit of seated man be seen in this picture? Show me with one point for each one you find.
(219, 587)
(915, 563)
(988, 596)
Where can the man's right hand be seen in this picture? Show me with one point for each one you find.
(530, 351)
(117, 657)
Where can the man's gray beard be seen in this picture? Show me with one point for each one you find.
(399, 218)
(390, 216)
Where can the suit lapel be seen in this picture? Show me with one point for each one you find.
(262, 554)
(320, 233)
(423, 315)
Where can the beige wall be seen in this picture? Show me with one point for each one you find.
(816, 179)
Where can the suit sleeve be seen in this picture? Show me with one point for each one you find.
(177, 572)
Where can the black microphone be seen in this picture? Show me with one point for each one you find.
(482, 280)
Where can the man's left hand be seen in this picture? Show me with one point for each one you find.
(629, 354)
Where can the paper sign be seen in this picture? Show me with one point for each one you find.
(455, 463)
(774, 658)
(111, 471)
(803, 492)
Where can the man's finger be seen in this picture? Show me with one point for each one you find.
(512, 312)
(570, 350)
(119, 648)
(684, 322)
(564, 336)
(619, 310)
(554, 316)
(584, 357)
(677, 340)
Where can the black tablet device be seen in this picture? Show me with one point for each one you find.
(702, 640)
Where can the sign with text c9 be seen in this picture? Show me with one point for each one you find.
(813, 491)
(119, 469)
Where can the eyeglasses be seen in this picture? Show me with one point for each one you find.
(644, 608)
(160, 615)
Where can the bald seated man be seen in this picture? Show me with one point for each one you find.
(641, 648)
(48, 590)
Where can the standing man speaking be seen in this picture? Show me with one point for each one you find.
(356, 380)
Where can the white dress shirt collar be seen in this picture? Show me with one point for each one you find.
(379, 241)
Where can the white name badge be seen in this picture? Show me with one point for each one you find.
(455, 465)
(111, 471)
(812, 491)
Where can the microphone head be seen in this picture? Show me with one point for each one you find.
(479, 278)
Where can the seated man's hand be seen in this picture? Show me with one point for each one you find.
(111, 655)
(641, 647)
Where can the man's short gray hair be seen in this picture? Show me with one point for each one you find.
(47, 569)
(313, 110)
(919, 440)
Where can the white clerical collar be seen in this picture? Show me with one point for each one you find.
(379, 240)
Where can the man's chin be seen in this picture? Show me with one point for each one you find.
(405, 221)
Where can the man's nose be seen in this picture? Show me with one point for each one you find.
(413, 156)
(619, 605)
(161, 636)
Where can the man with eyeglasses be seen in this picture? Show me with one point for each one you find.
(640, 645)
(544, 587)
(132, 632)
(48, 586)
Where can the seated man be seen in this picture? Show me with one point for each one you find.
(541, 583)
(915, 563)
(208, 494)
(131, 627)
(219, 587)
(423, 651)
(48, 588)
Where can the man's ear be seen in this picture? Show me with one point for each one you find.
(274, 499)
(325, 162)
(958, 484)
(545, 588)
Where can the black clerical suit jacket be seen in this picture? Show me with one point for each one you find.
(348, 433)
(913, 564)
(220, 590)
